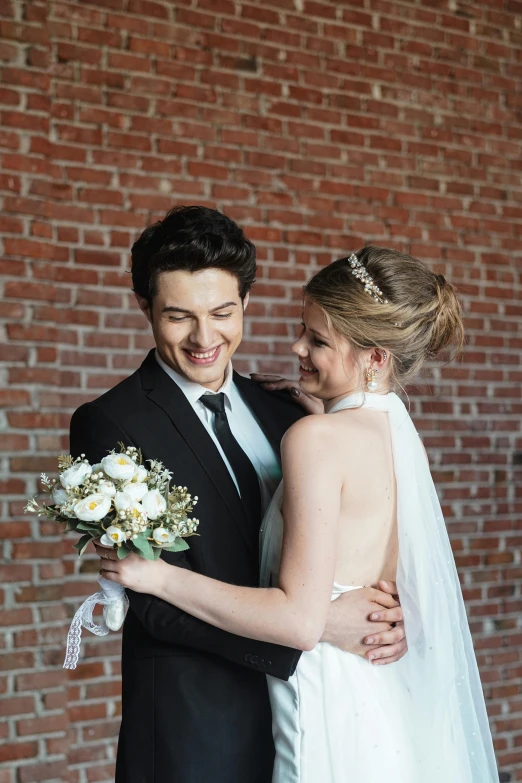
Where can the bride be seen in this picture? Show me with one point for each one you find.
(357, 505)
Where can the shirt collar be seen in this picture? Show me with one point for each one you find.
(193, 391)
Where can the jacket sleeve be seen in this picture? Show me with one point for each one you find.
(94, 433)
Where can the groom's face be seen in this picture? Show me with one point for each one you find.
(197, 322)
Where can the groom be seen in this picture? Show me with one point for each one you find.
(195, 701)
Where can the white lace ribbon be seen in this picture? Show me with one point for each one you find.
(115, 602)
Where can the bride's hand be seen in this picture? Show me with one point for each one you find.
(276, 383)
(134, 572)
(368, 613)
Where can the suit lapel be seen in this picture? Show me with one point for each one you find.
(168, 396)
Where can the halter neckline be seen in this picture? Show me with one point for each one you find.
(381, 402)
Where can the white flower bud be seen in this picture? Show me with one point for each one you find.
(162, 536)
(107, 488)
(141, 473)
(154, 504)
(75, 475)
(122, 502)
(137, 491)
(59, 496)
(113, 535)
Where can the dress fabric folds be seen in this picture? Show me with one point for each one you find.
(339, 719)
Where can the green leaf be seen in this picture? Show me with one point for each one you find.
(82, 544)
(143, 546)
(179, 545)
(91, 527)
(123, 551)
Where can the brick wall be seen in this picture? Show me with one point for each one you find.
(319, 126)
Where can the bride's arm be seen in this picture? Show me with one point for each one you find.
(295, 613)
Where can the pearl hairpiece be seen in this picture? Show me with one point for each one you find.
(359, 271)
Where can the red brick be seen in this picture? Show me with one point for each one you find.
(39, 680)
(40, 334)
(26, 290)
(85, 54)
(15, 751)
(98, 257)
(34, 773)
(14, 397)
(24, 247)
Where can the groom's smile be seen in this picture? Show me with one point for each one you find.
(203, 359)
(197, 322)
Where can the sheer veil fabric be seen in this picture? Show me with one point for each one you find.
(450, 737)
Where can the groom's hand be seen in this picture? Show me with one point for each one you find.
(394, 642)
(368, 622)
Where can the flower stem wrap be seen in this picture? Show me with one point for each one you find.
(115, 602)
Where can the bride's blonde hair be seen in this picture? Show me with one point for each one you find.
(418, 317)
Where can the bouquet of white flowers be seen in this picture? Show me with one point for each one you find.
(126, 506)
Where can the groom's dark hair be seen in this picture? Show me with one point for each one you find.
(191, 239)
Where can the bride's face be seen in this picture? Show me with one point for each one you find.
(328, 364)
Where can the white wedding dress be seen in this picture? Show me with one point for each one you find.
(339, 719)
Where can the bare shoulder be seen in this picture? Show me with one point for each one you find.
(350, 425)
(315, 428)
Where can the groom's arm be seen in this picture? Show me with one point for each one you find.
(94, 433)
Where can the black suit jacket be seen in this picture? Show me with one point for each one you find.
(195, 701)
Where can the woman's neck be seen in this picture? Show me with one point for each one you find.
(330, 403)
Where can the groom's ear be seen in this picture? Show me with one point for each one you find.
(245, 302)
(144, 307)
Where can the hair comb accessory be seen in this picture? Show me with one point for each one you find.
(359, 271)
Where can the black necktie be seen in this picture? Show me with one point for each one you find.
(242, 468)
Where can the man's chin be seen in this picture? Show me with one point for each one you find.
(204, 375)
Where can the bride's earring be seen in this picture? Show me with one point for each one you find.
(371, 375)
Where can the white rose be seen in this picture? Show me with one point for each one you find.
(119, 466)
(122, 501)
(106, 488)
(162, 536)
(113, 535)
(59, 496)
(141, 473)
(75, 475)
(93, 507)
(131, 508)
(136, 491)
(154, 504)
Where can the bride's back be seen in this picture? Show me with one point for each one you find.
(367, 543)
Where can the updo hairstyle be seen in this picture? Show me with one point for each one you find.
(421, 318)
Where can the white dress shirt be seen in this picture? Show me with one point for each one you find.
(243, 424)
